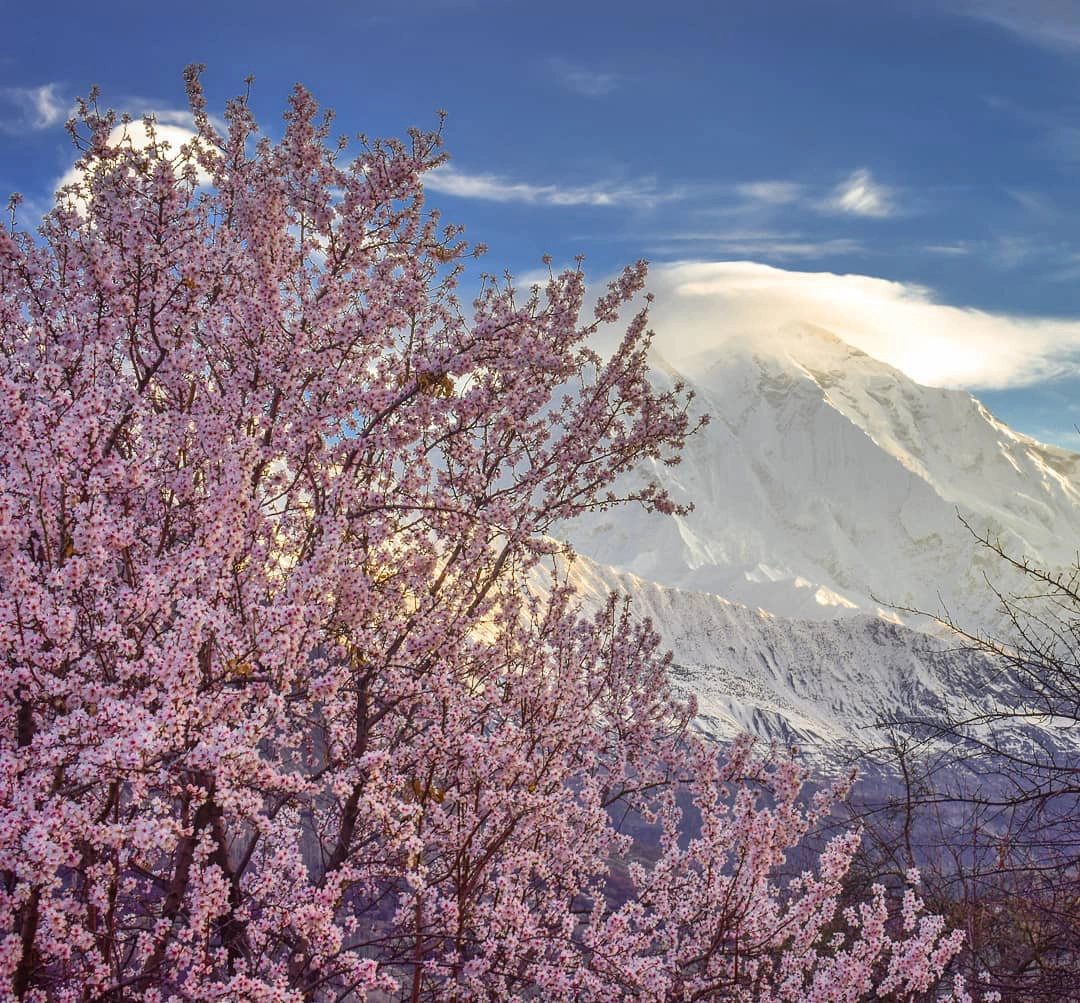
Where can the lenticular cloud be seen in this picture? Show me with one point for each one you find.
(700, 305)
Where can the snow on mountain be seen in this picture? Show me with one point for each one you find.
(821, 685)
(826, 486)
(830, 484)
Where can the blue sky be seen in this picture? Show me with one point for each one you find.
(902, 171)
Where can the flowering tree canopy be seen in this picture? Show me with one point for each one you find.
(281, 718)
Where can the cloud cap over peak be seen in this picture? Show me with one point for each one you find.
(701, 305)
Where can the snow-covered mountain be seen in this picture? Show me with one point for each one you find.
(826, 486)
(822, 685)
(830, 484)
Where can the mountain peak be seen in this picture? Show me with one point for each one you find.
(803, 332)
(806, 347)
(828, 478)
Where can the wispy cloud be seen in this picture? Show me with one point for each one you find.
(1032, 202)
(1054, 24)
(699, 305)
(1059, 136)
(1011, 252)
(770, 192)
(31, 108)
(752, 202)
(589, 83)
(448, 180)
(755, 244)
(948, 250)
(1044, 258)
(860, 195)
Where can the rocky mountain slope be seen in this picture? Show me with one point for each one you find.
(821, 685)
(826, 487)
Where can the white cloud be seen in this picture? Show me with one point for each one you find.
(1011, 252)
(948, 250)
(134, 132)
(32, 108)
(770, 192)
(1051, 23)
(494, 188)
(588, 83)
(699, 305)
(860, 195)
(755, 243)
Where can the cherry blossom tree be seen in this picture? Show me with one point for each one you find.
(282, 717)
